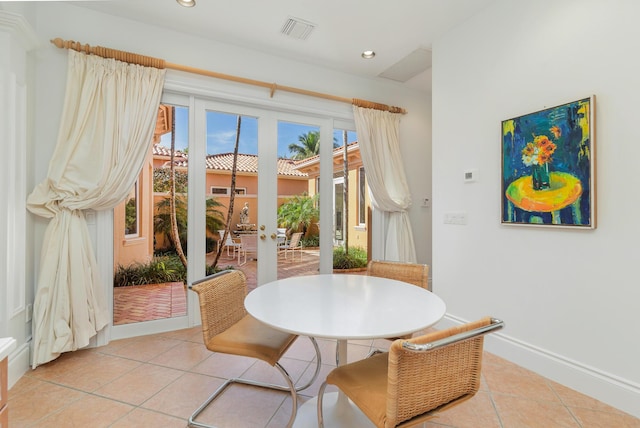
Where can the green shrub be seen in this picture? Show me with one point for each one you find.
(311, 241)
(165, 267)
(298, 212)
(356, 258)
(160, 269)
(210, 269)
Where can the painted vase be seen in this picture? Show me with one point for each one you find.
(540, 175)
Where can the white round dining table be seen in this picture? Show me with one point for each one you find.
(343, 307)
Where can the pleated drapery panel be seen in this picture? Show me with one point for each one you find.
(106, 129)
(378, 138)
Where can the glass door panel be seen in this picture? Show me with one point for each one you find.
(298, 216)
(150, 274)
(338, 211)
(350, 197)
(231, 192)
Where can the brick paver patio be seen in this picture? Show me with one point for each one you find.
(150, 302)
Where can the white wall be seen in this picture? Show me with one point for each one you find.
(68, 21)
(570, 298)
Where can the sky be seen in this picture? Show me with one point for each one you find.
(221, 133)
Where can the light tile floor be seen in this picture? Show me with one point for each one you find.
(158, 381)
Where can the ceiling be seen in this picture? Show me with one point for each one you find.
(400, 32)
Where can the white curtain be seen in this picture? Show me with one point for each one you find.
(378, 138)
(107, 125)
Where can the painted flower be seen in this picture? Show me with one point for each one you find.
(556, 131)
(539, 151)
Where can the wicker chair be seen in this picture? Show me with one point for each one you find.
(412, 273)
(416, 274)
(417, 378)
(228, 328)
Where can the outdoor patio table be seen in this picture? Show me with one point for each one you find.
(342, 307)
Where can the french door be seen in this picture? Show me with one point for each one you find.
(266, 178)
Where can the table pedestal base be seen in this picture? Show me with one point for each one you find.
(343, 414)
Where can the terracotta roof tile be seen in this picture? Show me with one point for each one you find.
(288, 167)
(338, 150)
(224, 162)
(159, 150)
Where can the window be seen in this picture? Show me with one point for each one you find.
(131, 212)
(362, 188)
(225, 191)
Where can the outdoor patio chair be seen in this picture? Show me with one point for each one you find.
(417, 378)
(227, 328)
(248, 244)
(294, 244)
(281, 238)
(230, 244)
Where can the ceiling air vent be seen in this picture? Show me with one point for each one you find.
(297, 28)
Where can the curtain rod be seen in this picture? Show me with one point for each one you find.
(147, 61)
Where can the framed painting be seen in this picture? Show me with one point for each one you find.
(548, 167)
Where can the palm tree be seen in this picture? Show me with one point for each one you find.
(234, 171)
(174, 231)
(214, 219)
(309, 145)
(298, 212)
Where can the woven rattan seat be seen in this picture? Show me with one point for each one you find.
(417, 378)
(228, 328)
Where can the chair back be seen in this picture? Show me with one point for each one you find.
(416, 274)
(229, 240)
(425, 380)
(249, 243)
(294, 242)
(221, 298)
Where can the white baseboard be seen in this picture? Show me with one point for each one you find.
(19, 363)
(606, 387)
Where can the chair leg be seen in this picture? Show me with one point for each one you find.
(318, 364)
(291, 388)
(320, 399)
(374, 352)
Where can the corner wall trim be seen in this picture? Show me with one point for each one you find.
(620, 393)
(19, 363)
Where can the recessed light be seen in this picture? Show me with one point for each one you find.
(186, 3)
(368, 54)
